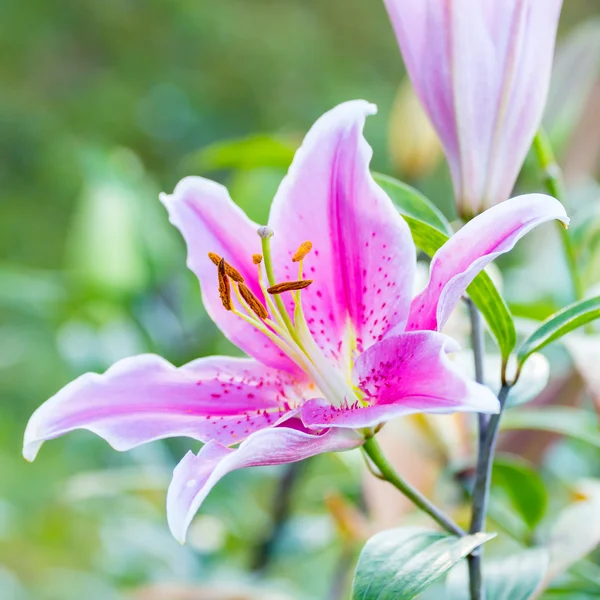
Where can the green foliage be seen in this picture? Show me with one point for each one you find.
(399, 564)
(412, 203)
(523, 486)
(571, 422)
(516, 577)
(246, 153)
(570, 318)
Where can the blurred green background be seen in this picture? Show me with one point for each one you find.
(103, 104)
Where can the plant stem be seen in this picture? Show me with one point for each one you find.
(481, 493)
(477, 342)
(556, 187)
(280, 512)
(373, 450)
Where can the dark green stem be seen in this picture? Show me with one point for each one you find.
(481, 493)
(373, 450)
(556, 187)
(478, 344)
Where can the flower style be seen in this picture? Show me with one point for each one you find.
(321, 302)
(482, 70)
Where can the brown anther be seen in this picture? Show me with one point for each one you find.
(257, 259)
(289, 286)
(253, 302)
(224, 289)
(303, 250)
(231, 272)
(215, 258)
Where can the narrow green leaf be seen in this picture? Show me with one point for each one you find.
(523, 486)
(571, 422)
(482, 290)
(514, 578)
(399, 564)
(571, 317)
(494, 310)
(412, 203)
(570, 592)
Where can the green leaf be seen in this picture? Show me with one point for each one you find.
(399, 564)
(412, 203)
(571, 422)
(494, 310)
(570, 593)
(523, 486)
(243, 153)
(514, 578)
(482, 290)
(560, 324)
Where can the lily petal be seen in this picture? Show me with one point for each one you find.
(482, 71)
(363, 257)
(466, 253)
(146, 398)
(405, 374)
(196, 475)
(211, 222)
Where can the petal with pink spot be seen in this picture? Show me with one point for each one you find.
(145, 398)
(363, 257)
(404, 374)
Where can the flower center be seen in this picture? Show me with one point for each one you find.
(287, 329)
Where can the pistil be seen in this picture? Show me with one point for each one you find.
(265, 235)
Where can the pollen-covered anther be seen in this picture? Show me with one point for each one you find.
(253, 302)
(257, 259)
(224, 289)
(303, 250)
(231, 272)
(289, 286)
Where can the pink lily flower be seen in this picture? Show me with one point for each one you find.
(481, 68)
(320, 300)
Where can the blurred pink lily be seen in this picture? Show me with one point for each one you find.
(481, 69)
(344, 349)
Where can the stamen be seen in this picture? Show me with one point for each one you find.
(253, 302)
(303, 250)
(224, 289)
(231, 272)
(289, 286)
(257, 259)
